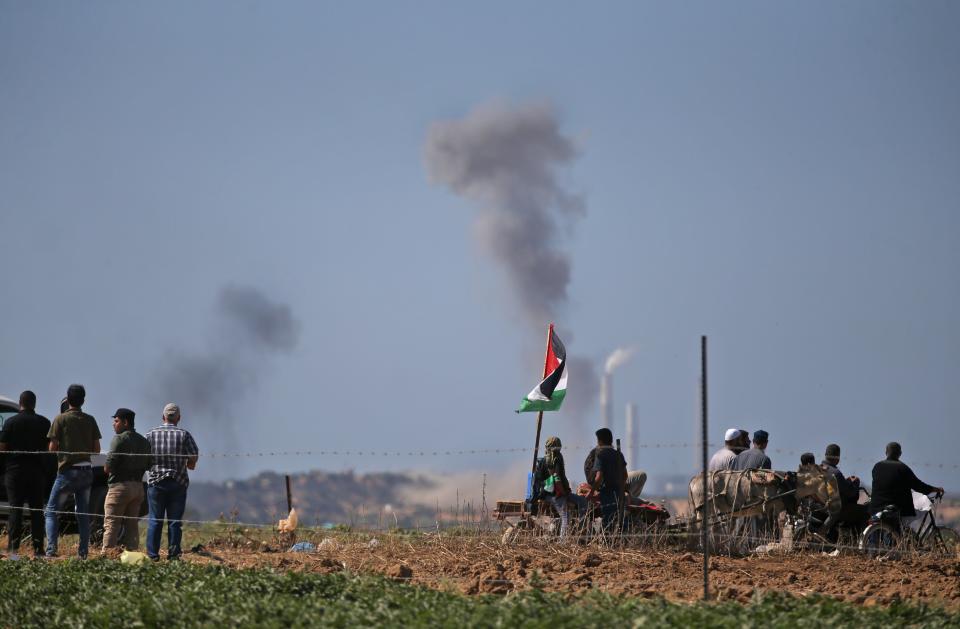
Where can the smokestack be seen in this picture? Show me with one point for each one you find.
(606, 400)
(633, 437)
(614, 360)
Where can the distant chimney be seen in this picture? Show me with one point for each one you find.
(633, 436)
(606, 400)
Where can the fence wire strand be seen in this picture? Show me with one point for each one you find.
(438, 452)
(719, 540)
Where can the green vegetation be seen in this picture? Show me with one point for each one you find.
(101, 593)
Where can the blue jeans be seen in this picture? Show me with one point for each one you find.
(560, 504)
(610, 509)
(168, 497)
(76, 481)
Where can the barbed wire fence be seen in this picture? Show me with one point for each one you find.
(396, 454)
(377, 453)
(438, 452)
(621, 544)
(624, 547)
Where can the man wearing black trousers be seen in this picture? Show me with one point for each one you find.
(893, 481)
(609, 479)
(25, 477)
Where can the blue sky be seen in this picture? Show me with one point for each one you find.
(782, 177)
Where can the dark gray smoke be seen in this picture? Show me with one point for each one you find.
(269, 326)
(211, 383)
(506, 160)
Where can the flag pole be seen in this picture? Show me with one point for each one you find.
(546, 359)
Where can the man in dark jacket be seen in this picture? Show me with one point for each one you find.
(756, 457)
(127, 462)
(609, 478)
(25, 476)
(753, 459)
(851, 513)
(892, 482)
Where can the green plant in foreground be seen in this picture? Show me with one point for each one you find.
(102, 593)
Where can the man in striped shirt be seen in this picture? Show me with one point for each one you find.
(174, 452)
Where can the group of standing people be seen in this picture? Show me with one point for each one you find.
(164, 454)
(893, 480)
(605, 469)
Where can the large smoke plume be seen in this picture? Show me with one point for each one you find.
(211, 383)
(506, 160)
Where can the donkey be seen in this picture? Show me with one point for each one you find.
(741, 493)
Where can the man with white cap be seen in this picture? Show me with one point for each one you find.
(174, 452)
(724, 457)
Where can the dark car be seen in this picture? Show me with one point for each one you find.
(68, 523)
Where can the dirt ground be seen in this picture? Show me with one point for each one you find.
(479, 564)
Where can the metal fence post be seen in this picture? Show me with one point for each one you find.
(704, 532)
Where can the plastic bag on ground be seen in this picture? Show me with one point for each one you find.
(132, 558)
(288, 524)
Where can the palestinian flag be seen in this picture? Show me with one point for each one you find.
(549, 394)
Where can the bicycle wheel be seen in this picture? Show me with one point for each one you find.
(879, 540)
(949, 543)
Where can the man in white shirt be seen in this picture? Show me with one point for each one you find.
(724, 457)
